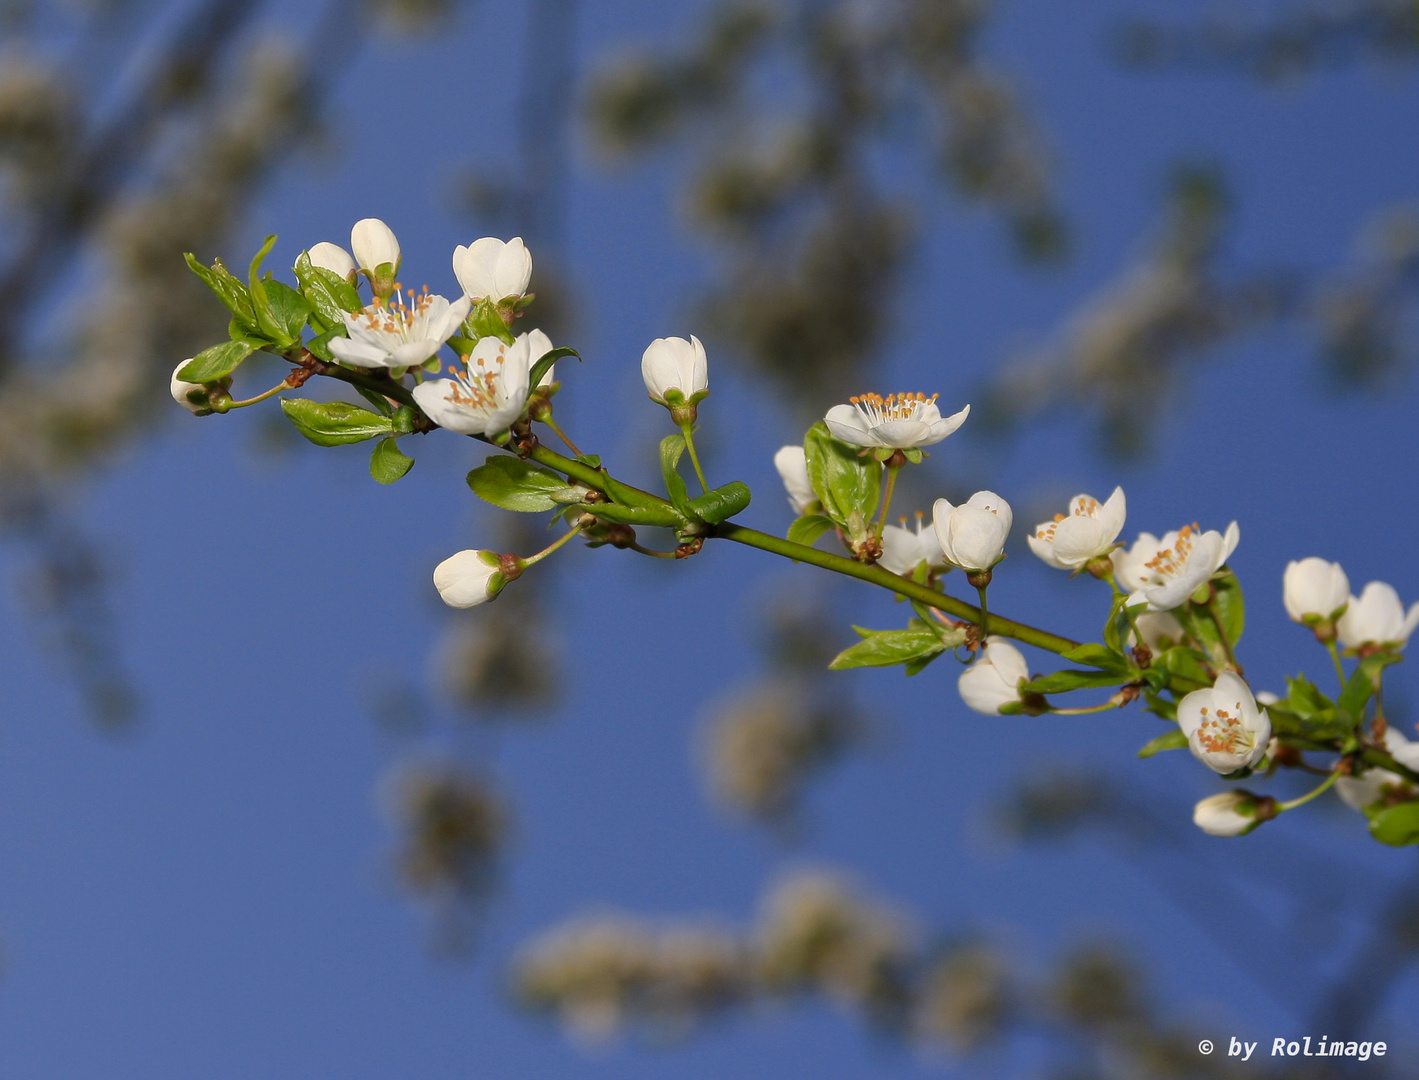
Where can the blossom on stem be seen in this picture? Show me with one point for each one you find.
(486, 393)
(1165, 572)
(1314, 590)
(792, 465)
(489, 269)
(334, 258)
(1230, 813)
(393, 333)
(675, 371)
(897, 422)
(1377, 618)
(1359, 792)
(1225, 730)
(994, 679)
(374, 245)
(469, 578)
(1088, 531)
(194, 397)
(972, 535)
(904, 550)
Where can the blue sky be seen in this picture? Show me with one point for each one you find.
(210, 895)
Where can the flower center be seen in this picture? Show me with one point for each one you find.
(475, 386)
(1082, 506)
(1169, 562)
(1222, 732)
(396, 316)
(878, 410)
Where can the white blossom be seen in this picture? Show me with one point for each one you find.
(1088, 531)
(393, 333)
(334, 258)
(1377, 617)
(792, 466)
(903, 549)
(1160, 630)
(1225, 730)
(469, 578)
(180, 391)
(1231, 813)
(374, 244)
(1359, 792)
(487, 391)
(674, 364)
(489, 269)
(972, 535)
(1313, 589)
(898, 421)
(1165, 572)
(994, 679)
(538, 346)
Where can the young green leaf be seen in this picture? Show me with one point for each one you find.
(388, 463)
(1169, 740)
(545, 362)
(671, 447)
(334, 423)
(660, 517)
(1098, 656)
(289, 308)
(266, 321)
(845, 483)
(884, 648)
(1361, 684)
(228, 289)
(1059, 682)
(514, 484)
(721, 503)
(1228, 604)
(1397, 826)
(806, 529)
(212, 364)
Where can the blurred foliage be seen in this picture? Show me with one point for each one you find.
(786, 104)
(1276, 44)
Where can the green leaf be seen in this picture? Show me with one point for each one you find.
(1098, 656)
(266, 321)
(1227, 603)
(1397, 826)
(1304, 699)
(484, 321)
(1185, 662)
(1159, 705)
(847, 485)
(545, 362)
(212, 364)
(380, 402)
(1361, 684)
(514, 484)
(1059, 682)
(334, 423)
(660, 517)
(329, 295)
(884, 648)
(671, 447)
(1169, 740)
(721, 503)
(808, 528)
(388, 463)
(319, 345)
(228, 289)
(289, 308)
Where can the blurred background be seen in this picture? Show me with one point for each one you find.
(268, 809)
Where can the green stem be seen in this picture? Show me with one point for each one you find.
(1339, 667)
(1334, 775)
(553, 546)
(282, 385)
(561, 435)
(1221, 630)
(887, 490)
(688, 429)
(386, 386)
(653, 553)
(1110, 704)
(984, 620)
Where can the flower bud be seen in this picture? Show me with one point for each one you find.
(1377, 618)
(792, 466)
(675, 371)
(470, 578)
(334, 258)
(973, 534)
(377, 251)
(1314, 591)
(489, 269)
(1233, 813)
(194, 397)
(994, 679)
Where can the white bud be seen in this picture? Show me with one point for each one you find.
(1377, 617)
(1314, 589)
(334, 258)
(469, 578)
(994, 679)
(674, 364)
(180, 391)
(489, 269)
(1231, 813)
(792, 466)
(374, 244)
(973, 534)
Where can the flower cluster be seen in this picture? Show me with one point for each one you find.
(1174, 611)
